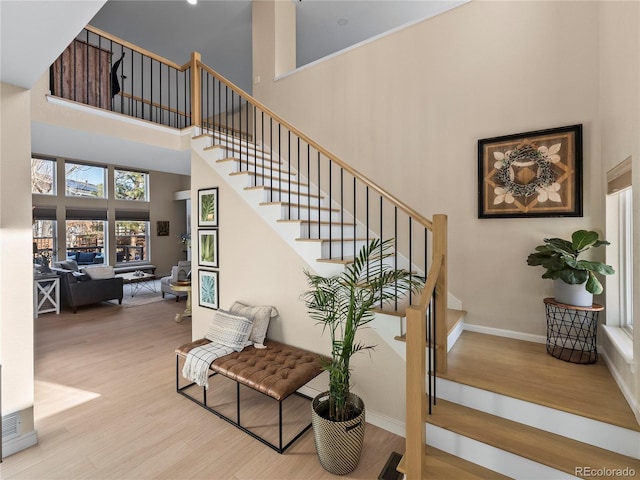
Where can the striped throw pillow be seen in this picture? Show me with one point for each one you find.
(229, 330)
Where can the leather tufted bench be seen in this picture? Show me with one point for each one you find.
(276, 371)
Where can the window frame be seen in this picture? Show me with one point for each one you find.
(54, 190)
(105, 193)
(146, 184)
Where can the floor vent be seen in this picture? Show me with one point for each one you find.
(389, 471)
(10, 424)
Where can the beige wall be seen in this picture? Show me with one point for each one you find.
(16, 271)
(407, 111)
(619, 34)
(259, 268)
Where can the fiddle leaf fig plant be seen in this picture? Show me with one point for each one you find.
(560, 259)
(344, 303)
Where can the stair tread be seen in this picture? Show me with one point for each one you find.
(281, 190)
(227, 138)
(295, 205)
(326, 240)
(271, 177)
(440, 465)
(546, 448)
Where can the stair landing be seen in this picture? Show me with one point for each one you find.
(524, 370)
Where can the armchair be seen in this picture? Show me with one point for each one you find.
(178, 272)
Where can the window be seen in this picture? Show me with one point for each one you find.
(85, 229)
(84, 180)
(44, 240)
(625, 257)
(131, 185)
(619, 205)
(43, 176)
(132, 241)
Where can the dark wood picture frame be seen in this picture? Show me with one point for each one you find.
(531, 174)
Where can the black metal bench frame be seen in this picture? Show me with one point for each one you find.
(236, 423)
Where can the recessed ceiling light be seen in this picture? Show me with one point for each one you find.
(342, 22)
(192, 2)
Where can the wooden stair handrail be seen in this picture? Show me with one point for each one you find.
(138, 49)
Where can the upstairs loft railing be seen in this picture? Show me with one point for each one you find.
(103, 71)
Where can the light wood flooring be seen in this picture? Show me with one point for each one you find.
(525, 370)
(106, 408)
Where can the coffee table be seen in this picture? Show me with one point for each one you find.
(139, 281)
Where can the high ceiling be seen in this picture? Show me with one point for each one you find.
(33, 33)
(221, 30)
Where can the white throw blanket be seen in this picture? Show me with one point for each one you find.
(196, 365)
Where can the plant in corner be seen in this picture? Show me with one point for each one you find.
(343, 304)
(560, 259)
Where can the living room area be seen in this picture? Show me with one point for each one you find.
(106, 233)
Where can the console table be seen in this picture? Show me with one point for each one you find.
(571, 331)
(46, 294)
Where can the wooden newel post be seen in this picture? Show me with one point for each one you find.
(442, 289)
(416, 399)
(196, 99)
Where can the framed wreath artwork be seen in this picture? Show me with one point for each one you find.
(532, 174)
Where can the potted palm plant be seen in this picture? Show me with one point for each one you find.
(343, 304)
(575, 280)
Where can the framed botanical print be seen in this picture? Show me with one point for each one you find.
(208, 207)
(532, 174)
(208, 248)
(208, 290)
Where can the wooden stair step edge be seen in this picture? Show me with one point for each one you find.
(454, 317)
(440, 465)
(552, 450)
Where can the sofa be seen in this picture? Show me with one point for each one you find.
(86, 258)
(178, 272)
(77, 291)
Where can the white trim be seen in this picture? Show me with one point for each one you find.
(490, 457)
(582, 429)
(619, 379)
(116, 116)
(529, 337)
(17, 444)
(622, 342)
(374, 418)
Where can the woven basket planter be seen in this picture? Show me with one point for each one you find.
(338, 443)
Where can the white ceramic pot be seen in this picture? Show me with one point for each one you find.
(572, 294)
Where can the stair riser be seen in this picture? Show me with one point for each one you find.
(293, 213)
(293, 197)
(313, 230)
(338, 248)
(265, 170)
(286, 182)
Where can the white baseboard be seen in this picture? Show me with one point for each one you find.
(19, 443)
(529, 337)
(389, 424)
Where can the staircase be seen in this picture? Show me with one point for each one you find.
(508, 407)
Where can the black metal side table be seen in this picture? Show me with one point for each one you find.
(571, 331)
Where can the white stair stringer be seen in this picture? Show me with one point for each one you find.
(593, 432)
(269, 212)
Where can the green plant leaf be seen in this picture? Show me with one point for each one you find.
(582, 240)
(572, 276)
(593, 284)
